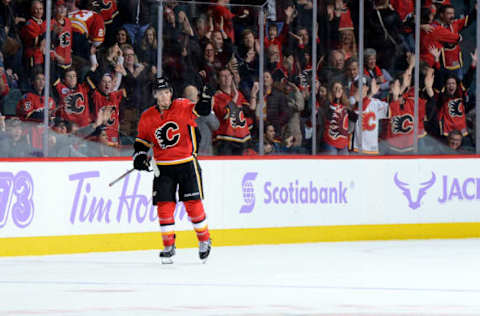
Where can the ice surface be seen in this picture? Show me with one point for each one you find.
(429, 277)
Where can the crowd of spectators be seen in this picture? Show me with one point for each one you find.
(104, 55)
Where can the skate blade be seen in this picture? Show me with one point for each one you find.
(167, 260)
(204, 260)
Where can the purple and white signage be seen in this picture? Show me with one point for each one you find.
(16, 198)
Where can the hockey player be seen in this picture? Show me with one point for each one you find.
(169, 128)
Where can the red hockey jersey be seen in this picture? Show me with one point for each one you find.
(32, 33)
(73, 103)
(400, 124)
(451, 53)
(89, 23)
(107, 9)
(233, 124)
(30, 103)
(110, 102)
(336, 126)
(451, 115)
(63, 41)
(436, 38)
(170, 133)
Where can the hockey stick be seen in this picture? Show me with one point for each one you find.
(156, 172)
(121, 177)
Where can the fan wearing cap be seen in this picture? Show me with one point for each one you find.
(168, 128)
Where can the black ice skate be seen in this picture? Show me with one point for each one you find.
(166, 255)
(204, 249)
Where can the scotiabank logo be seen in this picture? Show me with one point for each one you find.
(248, 192)
(295, 192)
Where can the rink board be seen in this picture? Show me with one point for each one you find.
(61, 206)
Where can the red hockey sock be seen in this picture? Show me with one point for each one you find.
(198, 218)
(166, 218)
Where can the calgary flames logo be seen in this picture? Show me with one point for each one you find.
(65, 39)
(338, 126)
(455, 108)
(235, 115)
(168, 135)
(402, 124)
(75, 103)
(100, 5)
(368, 120)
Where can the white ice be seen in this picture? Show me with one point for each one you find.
(429, 277)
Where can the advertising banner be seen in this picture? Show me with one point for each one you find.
(73, 198)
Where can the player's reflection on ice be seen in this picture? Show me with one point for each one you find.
(89, 206)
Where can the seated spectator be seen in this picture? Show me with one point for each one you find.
(103, 147)
(31, 106)
(454, 145)
(13, 140)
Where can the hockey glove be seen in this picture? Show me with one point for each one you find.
(140, 161)
(204, 105)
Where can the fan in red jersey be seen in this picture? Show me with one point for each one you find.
(33, 34)
(168, 128)
(72, 99)
(62, 36)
